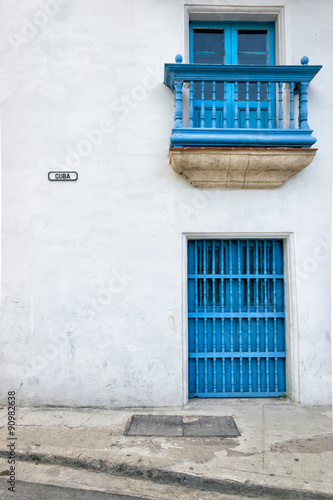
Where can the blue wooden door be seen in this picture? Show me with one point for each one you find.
(236, 318)
(233, 43)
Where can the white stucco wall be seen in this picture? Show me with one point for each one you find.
(93, 270)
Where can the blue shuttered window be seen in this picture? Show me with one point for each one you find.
(249, 44)
(236, 318)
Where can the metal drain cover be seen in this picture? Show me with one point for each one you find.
(155, 425)
(210, 426)
(177, 426)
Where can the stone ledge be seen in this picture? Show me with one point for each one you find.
(248, 168)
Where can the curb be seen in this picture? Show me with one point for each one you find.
(225, 486)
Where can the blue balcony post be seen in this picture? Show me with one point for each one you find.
(303, 108)
(202, 110)
(225, 104)
(247, 107)
(214, 105)
(236, 104)
(269, 112)
(178, 97)
(303, 100)
(291, 105)
(280, 106)
(258, 106)
(178, 104)
(191, 104)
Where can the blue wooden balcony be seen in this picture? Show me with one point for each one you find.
(240, 106)
(240, 127)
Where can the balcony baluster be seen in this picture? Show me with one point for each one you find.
(303, 108)
(291, 105)
(214, 105)
(247, 100)
(280, 106)
(191, 121)
(178, 104)
(258, 106)
(236, 104)
(225, 104)
(202, 114)
(269, 98)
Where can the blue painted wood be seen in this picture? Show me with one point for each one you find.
(291, 101)
(269, 99)
(303, 106)
(236, 104)
(237, 395)
(202, 113)
(258, 106)
(224, 130)
(231, 307)
(245, 355)
(240, 306)
(196, 319)
(178, 104)
(236, 318)
(214, 105)
(231, 137)
(266, 319)
(222, 300)
(218, 275)
(229, 53)
(247, 98)
(257, 318)
(205, 309)
(248, 304)
(230, 37)
(191, 104)
(276, 383)
(237, 73)
(236, 314)
(225, 105)
(280, 106)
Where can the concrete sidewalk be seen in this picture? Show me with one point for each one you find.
(284, 451)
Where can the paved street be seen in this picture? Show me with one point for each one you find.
(33, 491)
(51, 482)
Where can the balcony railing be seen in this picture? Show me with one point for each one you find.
(240, 106)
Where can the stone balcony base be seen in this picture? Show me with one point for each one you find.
(248, 168)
